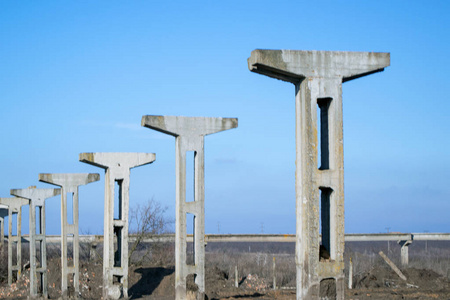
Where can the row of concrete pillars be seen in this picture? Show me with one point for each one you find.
(318, 78)
(189, 135)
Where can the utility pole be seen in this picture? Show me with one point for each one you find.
(389, 244)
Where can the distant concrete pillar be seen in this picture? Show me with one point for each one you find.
(37, 199)
(318, 78)
(117, 171)
(189, 133)
(14, 208)
(404, 252)
(69, 184)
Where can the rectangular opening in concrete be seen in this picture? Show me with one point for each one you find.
(190, 221)
(38, 220)
(14, 224)
(327, 289)
(190, 176)
(117, 279)
(118, 246)
(323, 130)
(38, 254)
(70, 281)
(15, 275)
(325, 222)
(118, 199)
(69, 208)
(70, 249)
(14, 253)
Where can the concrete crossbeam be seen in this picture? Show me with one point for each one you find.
(189, 133)
(69, 184)
(117, 171)
(14, 205)
(37, 199)
(318, 78)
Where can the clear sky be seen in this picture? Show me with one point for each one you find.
(77, 76)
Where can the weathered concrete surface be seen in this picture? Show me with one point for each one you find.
(37, 199)
(69, 184)
(318, 78)
(189, 135)
(117, 170)
(14, 205)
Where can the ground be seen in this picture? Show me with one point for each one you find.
(150, 282)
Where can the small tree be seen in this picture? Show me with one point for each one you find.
(146, 220)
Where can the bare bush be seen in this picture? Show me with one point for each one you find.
(145, 221)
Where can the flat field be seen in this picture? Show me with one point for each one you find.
(152, 272)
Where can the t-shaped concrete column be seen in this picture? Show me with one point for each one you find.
(69, 184)
(189, 135)
(37, 199)
(404, 252)
(117, 171)
(14, 205)
(318, 78)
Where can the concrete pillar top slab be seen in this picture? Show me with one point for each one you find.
(35, 194)
(294, 65)
(14, 202)
(188, 126)
(69, 179)
(107, 160)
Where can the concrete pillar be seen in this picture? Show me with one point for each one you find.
(69, 184)
(37, 199)
(318, 77)
(117, 171)
(14, 208)
(404, 252)
(189, 133)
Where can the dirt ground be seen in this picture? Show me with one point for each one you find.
(158, 283)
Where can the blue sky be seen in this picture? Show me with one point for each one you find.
(78, 76)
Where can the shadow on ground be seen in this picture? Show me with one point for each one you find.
(149, 281)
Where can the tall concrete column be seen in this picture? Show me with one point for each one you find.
(318, 78)
(38, 272)
(14, 208)
(117, 171)
(404, 252)
(69, 184)
(189, 133)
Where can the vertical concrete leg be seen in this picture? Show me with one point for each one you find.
(38, 271)
(318, 78)
(340, 288)
(117, 171)
(69, 184)
(404, 252)
(189, 135)
(350, 274)
(14, 208)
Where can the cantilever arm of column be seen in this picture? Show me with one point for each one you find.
(70, 179)
(32, 193)
(188, 126)
(107, 160)
(293, 66)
